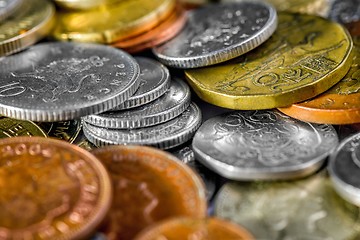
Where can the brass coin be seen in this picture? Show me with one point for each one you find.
(50, 189)
(149, 185)
(65, 130)
(304, 57)
(10, 127)
(81, 4)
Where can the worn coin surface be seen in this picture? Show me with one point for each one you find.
(70, 80)
(50, 189)
(66, 130)
(149, 185)
(345, 11)
(10, 127)
(8, 7)
(304, 57)
(217, 33)
(248, 145)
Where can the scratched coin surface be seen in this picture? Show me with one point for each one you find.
(149, 185)
(70, 80)
(10, 127)
(8, 7)
(345, 11)
(304, 57)
(305, 209)
(248, 145)
(50, 189)
(217, 33)
(66, 130)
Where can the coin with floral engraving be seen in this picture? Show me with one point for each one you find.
(10, 127)
(8, 7)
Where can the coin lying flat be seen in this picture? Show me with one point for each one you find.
(217, 33)
(70, 80)
(250, 145)
(304, 57)
(50, 189)
(149, 185)
(8, 7)
(10, 127)
(66, 130)
(345, 11)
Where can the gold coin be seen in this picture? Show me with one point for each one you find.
(111, 23)
(10, 127)
(25, 27)
(304, 57)
(81, 4)
(65, 130)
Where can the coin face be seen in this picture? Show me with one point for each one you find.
(292, 66)
(50, 190)
(8, 7)
(66, 130)
(250, 145)
(10, 127)
(345, 11)
(149, 185)
(69, 80)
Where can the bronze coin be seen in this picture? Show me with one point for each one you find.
(50, 189)
(149, 185)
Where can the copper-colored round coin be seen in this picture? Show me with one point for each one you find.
(50, 189)
(189, 228)
(149, 185)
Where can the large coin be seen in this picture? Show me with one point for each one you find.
(8, 7)
(149, 185)
(10, 127)
(217, 33)
(66, 130)
(304, 57)
(50, 189)
(69, 81)
(248, 145)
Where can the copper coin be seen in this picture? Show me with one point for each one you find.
(50, 189)
(149, 185)
(354, 28)
(188, 228)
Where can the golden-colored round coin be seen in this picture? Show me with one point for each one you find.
(10, 127)
(191, 228)
(111, 23)
(65, 130)
(50, 189)
(25, 27)
(304, 57)
(83, 4)
(149, 185)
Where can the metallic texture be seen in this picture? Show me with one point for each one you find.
(83, 4)
(8, 7)
(10, 127)
(345, 11)
(66, 130)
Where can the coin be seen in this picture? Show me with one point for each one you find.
(149, 185)
(304, 57)
(8, 7)
(112, 23)
(251, 145)
(50, 189)
(10, 127)
(345, 11)
(191, 228)
(81, 4)
(66, 130)
(25, 27)
(217, 33)
(70, 80)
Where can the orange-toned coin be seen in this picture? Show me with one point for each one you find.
(149, 185)
(199, 229)
(50, 189)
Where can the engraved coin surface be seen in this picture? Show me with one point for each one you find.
(248, 145)
(173, 102)
(10, 127)
(165, 135)
(149, 185)
(66, 130)
(303, 58)
(70, 80)
(8, 7)
(217, 33)
(345, 11)
(50, 189)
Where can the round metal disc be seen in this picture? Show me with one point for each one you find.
(8, 7)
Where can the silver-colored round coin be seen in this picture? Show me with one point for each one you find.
(8, 7)
(217, 33)
(171, 104)
(154, 82)
(70, 80)
(165, 136)
(251, 145)
(345, 11)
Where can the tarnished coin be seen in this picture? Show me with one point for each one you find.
(175, 100)
(191, 228)
(8, 7)
(304, 57)
(149, 185)
(345, 11)
(248, 145)
(50, 189)
(217, 33)
(165, 135)
(306, 209)
(70, 80)
(66, 130)
(10, 127)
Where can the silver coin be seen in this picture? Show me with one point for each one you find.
(165, 136)
(184, 154)
(171, 104)
(248, 145)
(154, 81)
(344, 169)
(219, 32)
(8, 7)
(345, 11)
(70, 80)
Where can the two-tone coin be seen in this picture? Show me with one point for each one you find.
(8, 7)
(10, 127)
(66, 130)
(345, 11)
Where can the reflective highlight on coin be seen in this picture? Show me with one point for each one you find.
(66, 130)
(8, 7)
(10, 127)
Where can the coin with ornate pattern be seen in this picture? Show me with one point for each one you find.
(66, 130)
(10, 127)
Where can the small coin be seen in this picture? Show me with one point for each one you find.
(10, 127)
(150, 185)
(191, 228)
(217, 33)
(66, 130)
(8, 7)
(250, 145)
(345, 11)
(165, 135)
(50, 189)
(70, 80)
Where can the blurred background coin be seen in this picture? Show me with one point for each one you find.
(10, 127)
